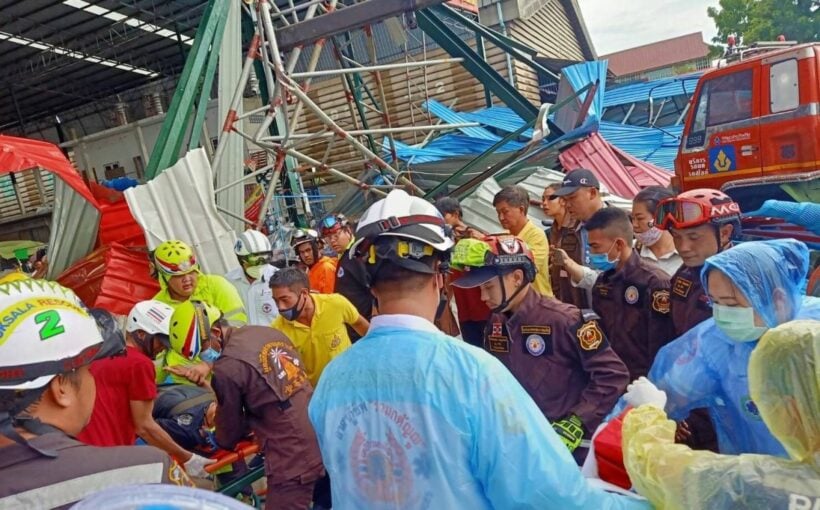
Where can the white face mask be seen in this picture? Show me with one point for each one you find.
(650, 237)
(255, 272)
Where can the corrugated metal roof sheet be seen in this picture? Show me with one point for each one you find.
(179, 204)
(581, 75)
(451, 117)
(659, 89)
(658, 54)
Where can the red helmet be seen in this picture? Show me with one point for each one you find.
(697, 207)
(487, 258)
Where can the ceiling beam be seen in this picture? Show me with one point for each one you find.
(342, 20)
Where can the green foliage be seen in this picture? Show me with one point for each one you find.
(765, 20)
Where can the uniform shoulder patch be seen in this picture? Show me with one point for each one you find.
(590, 335)
(660, 301)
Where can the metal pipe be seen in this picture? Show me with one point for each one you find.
(381, 67)
(379, 131)
(244, 178)
(380, 86)
(282, 12)
(333, 171)
(504, 33)
(279, 163)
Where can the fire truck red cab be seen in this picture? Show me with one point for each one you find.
(755, 118)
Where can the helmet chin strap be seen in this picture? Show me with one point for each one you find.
(505, 301)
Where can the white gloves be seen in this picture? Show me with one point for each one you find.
(643, 392)
(196, 466)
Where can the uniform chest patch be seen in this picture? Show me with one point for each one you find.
(341, 272)
(498, 329)
(681, 287)
(184, 420)
(631, 295)
(536, 345)
(660, 301)
(266, 308)
(602, 289)
(498, 343)
(335, 341)
(590, 336)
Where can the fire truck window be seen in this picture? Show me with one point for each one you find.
(783, 86)
(697, 134)
(730, 98)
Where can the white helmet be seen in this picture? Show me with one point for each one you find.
(153, 317)
(400, 217)
(252, 242)
(45, 331)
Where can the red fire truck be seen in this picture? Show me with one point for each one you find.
(756, 118)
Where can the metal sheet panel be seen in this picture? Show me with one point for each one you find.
(73, 228)
(179, 204)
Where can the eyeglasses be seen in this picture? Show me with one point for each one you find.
(255, 259)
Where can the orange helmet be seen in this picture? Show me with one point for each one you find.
(697, 207)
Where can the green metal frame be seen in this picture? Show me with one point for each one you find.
(195, 79)
(233, 488)
(452, 44)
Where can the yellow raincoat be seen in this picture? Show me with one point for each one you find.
(784, 381)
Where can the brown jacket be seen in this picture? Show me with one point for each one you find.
(260, 383)
(562, 359)
(633, 304)
(688, 302)
(568, 238)
(30, 480)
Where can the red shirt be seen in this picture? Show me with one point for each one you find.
(468, 302)
(119, 381)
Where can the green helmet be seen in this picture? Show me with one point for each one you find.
(492, 256)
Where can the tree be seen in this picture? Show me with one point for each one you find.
(765, 20)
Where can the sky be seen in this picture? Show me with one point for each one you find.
(616, 25)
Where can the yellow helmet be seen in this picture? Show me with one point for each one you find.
(13, 276)
(190, 326)
(175, 258)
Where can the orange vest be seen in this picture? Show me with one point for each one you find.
(322, 275)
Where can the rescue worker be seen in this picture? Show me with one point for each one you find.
(180, 280)
(47, 341)
(702, 223)
(562, 235)
(560, 356)
(352, 280)
(315, 323)
(391, 437)
(631, 295)
(259, 382)
(123, 409)
(511, 204)
(753, 287)
(654, 244)
(321, 268)
(472, 312)
(251, 279)
(784, 383)
(582, 193)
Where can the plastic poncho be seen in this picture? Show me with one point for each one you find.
(436, 423)
(785, 383)
(705, 368)
(212, 289)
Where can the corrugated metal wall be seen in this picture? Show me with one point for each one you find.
(550, 32)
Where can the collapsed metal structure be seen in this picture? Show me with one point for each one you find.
(276, 37)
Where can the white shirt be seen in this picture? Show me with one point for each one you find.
(669, 262)
(256, 296)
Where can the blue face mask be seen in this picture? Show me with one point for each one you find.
(737, 322)
(294, 311)
(601, 261)
(209, 355)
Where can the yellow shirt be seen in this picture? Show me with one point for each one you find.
(537, 242)
(214, 290)
(326, 337)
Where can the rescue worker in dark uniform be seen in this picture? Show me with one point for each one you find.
(47, 393)
(352, 280)
(702, 223)
(631, 294)
(559, 354)
(563, 235)
(260, 385)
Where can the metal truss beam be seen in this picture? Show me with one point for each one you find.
(343, 20)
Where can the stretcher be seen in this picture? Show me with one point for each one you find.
(225, 458)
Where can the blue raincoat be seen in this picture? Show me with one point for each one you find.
(411, 418)
(705, 368)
